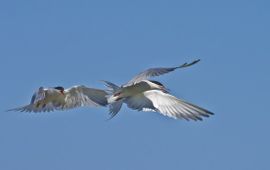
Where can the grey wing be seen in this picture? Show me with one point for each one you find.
(33, 108)
(152, 72)
(27, 108)
(38, 96)
(78, 96)
(169, 105)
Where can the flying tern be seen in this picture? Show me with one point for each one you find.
(58, 98)
(143, 94)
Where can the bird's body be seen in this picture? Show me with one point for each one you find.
(148, 95)
(58, 98)
(128, 91)
(51, 96)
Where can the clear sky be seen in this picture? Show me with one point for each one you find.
(64, 42)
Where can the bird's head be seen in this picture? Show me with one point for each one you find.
(60, 89)
(118, 95)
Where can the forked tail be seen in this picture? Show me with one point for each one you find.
(111, 86)
(114, 107)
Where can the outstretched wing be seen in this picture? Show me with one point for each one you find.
(78, 96)
(168, 105)
(156, 72)
(27, 108)
(37, 97)
(34, 108)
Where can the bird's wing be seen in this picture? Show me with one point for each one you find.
(37, 97)
(27, 108)
(168, 105)
(33, 108)
(84, 96)
(152, 72)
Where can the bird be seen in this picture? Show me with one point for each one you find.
(142, 94)
(58, 98)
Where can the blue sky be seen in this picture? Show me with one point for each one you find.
(57, 42)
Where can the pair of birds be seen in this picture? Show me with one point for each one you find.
(139, 93)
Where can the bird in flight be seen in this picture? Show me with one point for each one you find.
(143, 94)
(58, 98)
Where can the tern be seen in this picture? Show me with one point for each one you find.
(143, 94)
(58, 98)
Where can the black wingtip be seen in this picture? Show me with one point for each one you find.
(12, 110)
(211, 113)
(196, 61)
(189, 64)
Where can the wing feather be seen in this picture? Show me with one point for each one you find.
(152, 72)
(166, 104)
(78, 96)
(181, 109)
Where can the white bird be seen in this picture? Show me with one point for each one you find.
(148, 95)
(58, 98)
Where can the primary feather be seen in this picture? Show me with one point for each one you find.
(152, 72)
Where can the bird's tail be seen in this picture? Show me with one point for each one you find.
(115, 106)
(111, 86)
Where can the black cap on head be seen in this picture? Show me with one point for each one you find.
(40, 88)
(59, 88)
(156, 82)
